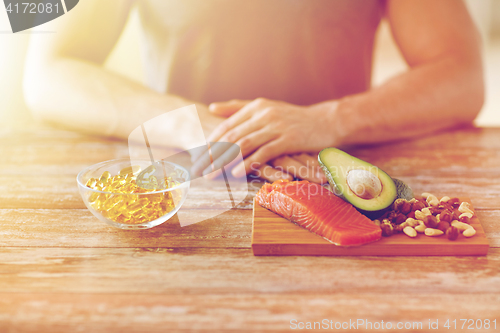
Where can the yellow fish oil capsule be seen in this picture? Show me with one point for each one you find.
(166, 206)
(128, 203)
(155, 198)
(91, 182)
(128, 188)
(117, 184)
(131, 199)
(93, 197)
(113, 214)
(138, 205)
(141, 219)
(129, 177)
(112, 201)
(130, 170)
(105, 176)
(120, 206)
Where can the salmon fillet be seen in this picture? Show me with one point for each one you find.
(318, 210)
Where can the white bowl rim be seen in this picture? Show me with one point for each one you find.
(80, 174)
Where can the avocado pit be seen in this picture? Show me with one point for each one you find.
(364, 184)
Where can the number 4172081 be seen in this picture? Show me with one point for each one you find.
(33, 8)
(471, 324)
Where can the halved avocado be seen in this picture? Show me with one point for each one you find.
(364, 185)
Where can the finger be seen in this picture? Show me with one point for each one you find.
(208, 159)
(313, 164)
(227, 160)
(201, 163)
(271, 174)
(195, 155)
(265, 153)
(252, 139)
(242, 130)
(226, 109)
(213, 175)
(202, 154)
(239, 117)
(213, 137)
(296, 168)
(246, 145)
(306, 159)
(248, 135)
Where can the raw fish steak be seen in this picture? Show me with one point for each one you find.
(318, 210)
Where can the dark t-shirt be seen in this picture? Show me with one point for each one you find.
(298, 51)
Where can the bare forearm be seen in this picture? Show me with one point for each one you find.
(443, 88)
(423, 100)
(84, 97)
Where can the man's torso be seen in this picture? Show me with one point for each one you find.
(298, 51)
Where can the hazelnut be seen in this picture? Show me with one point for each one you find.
(405, 207)
(465, 219)
(430, 221)
(443, 226)
(436, 210)
(411, 214)
(400, 218)
(398, 204)
(445, 215)
(392, 215)
(419, 205)
(452, 233)
(455, 202)
(387, 229)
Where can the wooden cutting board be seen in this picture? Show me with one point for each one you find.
(273, 235)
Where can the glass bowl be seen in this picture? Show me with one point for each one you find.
(135, 207)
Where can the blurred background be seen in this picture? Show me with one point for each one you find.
(125, 59)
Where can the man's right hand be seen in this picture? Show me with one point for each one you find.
(302, 166)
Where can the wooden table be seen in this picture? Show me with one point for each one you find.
(62, 270)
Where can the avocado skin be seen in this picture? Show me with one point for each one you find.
(404, 191)
(374, 214)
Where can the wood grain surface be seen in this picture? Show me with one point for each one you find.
(273, 235)
(62, 270)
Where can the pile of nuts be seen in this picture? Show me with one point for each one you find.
(430, 216)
